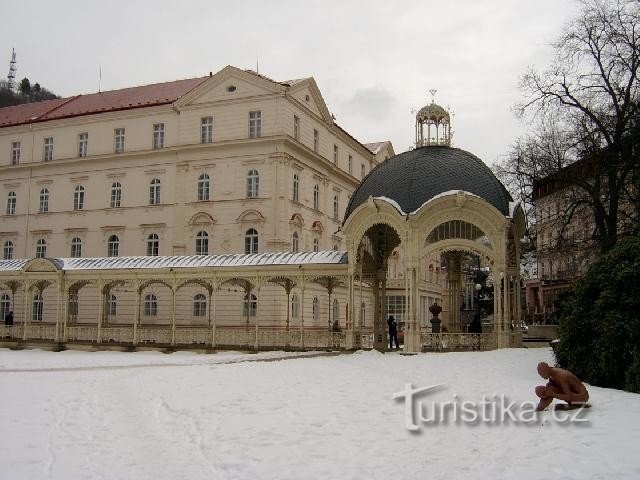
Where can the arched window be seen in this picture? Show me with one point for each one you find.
(76, 247)
(44, 201)
(295, 306)
(11, 203)
(316, 245)
(154, 192)
(37, 306)
(73, 305)
(113, 246)
(7, 251)
(78, 198)
(363, 311)
(296, 187)
(153, 245)
(116, 195)
(315, 310)
(5, 306)
(199, 305)
(335, 247)
(250, 306)
(251, 241)
(335, 207)
(150, 305)
(202, 243)
(335, 316)
(203, 187)
(316, 197)
(253, 184)
(295, 242)
(113, 306)
(41, 248)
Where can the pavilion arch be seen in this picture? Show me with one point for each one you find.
(156, 281)
(196, 282)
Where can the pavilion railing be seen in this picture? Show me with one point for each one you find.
(435, 342)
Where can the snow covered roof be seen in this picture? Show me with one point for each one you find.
(193, 261)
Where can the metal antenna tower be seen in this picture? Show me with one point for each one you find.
(11, 78)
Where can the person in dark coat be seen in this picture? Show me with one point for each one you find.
(475, 327)
(8, 319)
(393, 332)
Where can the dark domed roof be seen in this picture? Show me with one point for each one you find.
(414, 177)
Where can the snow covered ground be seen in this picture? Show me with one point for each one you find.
(107, 415)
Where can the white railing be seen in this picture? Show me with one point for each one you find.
(154, 335)
(82, 334)
(458, 341)
(10, 332)
(117, 334)
(192, 336)
(40, 332)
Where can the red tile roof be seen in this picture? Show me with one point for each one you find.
(113, 100)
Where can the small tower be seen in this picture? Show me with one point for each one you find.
(11, 78)
(438, 125)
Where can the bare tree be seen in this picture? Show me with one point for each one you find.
(584, 114)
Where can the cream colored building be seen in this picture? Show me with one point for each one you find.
(193, 187)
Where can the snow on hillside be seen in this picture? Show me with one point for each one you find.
(107, 415)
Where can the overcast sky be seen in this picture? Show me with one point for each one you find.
(374, 61)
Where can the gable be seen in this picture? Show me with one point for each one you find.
(307, 93)
(230, 83)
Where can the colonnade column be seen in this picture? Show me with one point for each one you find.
(173, 314)
(301, 314)
(136, 318)
(102, 296)
(25, 322)
(65, 315)
(60, 293)
(351, 326)
(212, 314)
(257, 341)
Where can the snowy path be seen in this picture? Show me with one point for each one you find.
(220, 416)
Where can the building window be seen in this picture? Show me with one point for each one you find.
(396, 306)
(11, 203)
(118, 140)
(316, 140)
(37, 308)
(48, 149)
(335, 247)
(315, 311)
(295, 242)
(255, 124)
(76, 247)
(363, 311)
(113, 246)
(206, 129)
(203, 187)
(199, 305)
(249, 305)
(5, 306)
(150, 305)
(113, 306)
(202, 243)
(316, 197)
(116, 195)
(336, 312)
(7, 251)
(296, 187)
(15, 153)
(83, 144)
(251, 241)
(362, 170)
(73, 306)
(335, 207)
(78, 198)
(350, 165)
(153, 245)
(296, 127)
(295, 306)
(335, 154)
(41, 248)
(316, 245)
(154, 192)
(44, 201)
(158, 136)
(253, 184)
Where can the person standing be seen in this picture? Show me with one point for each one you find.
(393, 332)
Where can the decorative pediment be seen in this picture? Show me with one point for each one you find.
(250, 216)
(307, 93)
(230, 83)
(43, 265)
(296, 220)
(317, 226)
(201, 219)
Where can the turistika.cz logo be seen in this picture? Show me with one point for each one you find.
(492, 409)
